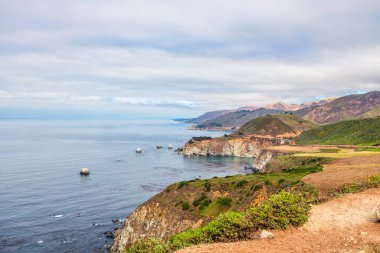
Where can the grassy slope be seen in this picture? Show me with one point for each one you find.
(276, 125)
(235, 193)
(352, 132)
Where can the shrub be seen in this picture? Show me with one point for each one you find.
(207, 186)
(201, 138)
(205, 204)
(150, 245)
(187, 238)
(185, 206)
(182, 184)
(280, 211)
(241, 183)
(198, 201)
(224, 201)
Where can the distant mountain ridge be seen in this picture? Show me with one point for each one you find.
(323, 111)
(349, 107)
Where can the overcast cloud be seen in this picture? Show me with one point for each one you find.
(181, 58)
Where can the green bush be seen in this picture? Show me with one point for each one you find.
(185, 206)
(241, 183)
(280, 211)
(150, 245)
(205, 204)
(207, 186)
(198, 201)
(224, 201)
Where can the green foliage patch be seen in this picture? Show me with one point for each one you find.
(278, 212)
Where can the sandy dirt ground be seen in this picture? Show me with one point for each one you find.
(345, 224)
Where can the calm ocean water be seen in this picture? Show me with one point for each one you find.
(46, 206)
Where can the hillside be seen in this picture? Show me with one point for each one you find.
(276, 125)
(344, 108)
(352, 132)
(235, 119)
(208, 116)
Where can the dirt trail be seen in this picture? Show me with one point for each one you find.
(340, 225)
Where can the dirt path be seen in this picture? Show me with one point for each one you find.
(343, 171)
(340, 225)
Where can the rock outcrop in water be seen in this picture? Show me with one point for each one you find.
(247, 146)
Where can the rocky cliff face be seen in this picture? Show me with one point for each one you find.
(159, 218)
(247, 146)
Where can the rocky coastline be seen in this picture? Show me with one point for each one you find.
(159, 218)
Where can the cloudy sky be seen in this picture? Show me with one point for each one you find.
(124, 58)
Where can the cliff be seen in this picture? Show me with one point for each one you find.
(159, 217)
(246, 146)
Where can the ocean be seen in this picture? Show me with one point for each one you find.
(46, 206)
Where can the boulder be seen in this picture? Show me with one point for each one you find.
(139, 150)
(266, 235)
(84, 172)
(378, 214)
(170, 146)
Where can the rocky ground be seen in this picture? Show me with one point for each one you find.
(345, 224)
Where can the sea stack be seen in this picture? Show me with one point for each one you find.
(139, 150)
(84, 172)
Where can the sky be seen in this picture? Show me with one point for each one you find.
(136, 59)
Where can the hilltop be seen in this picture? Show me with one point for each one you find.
(344, 108)
(284, 125)
(351, 132)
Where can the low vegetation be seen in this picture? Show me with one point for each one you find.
(278, 212)
(358, 186)
(199, 138)
(234, 207)
(365, 132)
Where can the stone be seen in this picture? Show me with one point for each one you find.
(109, 234)
(378, 214)
(84, 172)
(266, 235)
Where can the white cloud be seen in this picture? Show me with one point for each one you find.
(196, 55)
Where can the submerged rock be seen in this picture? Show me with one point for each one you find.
(109, 234)
(84, 172)
(158, 147)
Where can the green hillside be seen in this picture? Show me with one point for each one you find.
(352, 132)
(275, 125)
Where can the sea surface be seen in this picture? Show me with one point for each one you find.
(46, 206)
